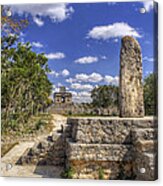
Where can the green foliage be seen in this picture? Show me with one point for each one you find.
(101, 174)
(25, 87)
(68, 173)
(150, 96)
(69, 112)
(104, 96)
(39, 123)
(10, 24)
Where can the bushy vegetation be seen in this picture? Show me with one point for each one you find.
(150, 94)
(25, 87)
(104, 96)
(68, 174)
(101, 174)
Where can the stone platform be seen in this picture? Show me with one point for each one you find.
(120, 147)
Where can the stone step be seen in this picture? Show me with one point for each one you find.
(146, 145)
(145, 134)
(147, 162)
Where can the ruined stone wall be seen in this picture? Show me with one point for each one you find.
(109, 130)
(121, 147)
(83, 109)
(49, 151)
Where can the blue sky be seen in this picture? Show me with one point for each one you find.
(82, 41)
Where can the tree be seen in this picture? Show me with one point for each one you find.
(9, 24)
(150, 96)
(104, 96)
(25, 87)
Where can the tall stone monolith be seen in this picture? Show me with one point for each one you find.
(131, 87)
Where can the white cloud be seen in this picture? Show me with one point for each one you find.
(91, 78)
(57, 55)
(94, 77)
(56, 12)
(148, 72)
(38, 21)
(53, 73)
(70, 80)
(148, 5)
(114, 30)
(65, 73)
(37, 44)
(115, 40)
(86, 60)
(79, 86)
(55, 90)
(103, 57)
(149, 59)
(111, 80)
(22, 34)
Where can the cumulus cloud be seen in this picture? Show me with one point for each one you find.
(37, 44)
(103, 57)
(111, 80)
(115, 30)
(70, 80)
(147, 73)
(86, 60)
(38, 21)
(56, 12)
(115, 40)
(94, 77)
(148, 5)
(149, 59)
(53, 73)
(65, 73)
(79, 86)
(57, 55)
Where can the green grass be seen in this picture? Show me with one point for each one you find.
(40, 122)
(101, 174)
(87, 115)
(68, 173)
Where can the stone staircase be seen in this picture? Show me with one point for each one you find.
(50, 150)
(145, 153)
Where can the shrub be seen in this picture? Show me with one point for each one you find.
(68, 173)
(39, 124)
(101, 174)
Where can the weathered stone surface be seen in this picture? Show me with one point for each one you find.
(112, 170)
(84, 109)
(99, 152)
(148, 162)
(120, 146)
(131, 89)
(110, 130)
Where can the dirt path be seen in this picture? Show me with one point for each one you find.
(8, 162)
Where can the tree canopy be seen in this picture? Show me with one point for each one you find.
(150, 96)
(104, 96)
(25, 87)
